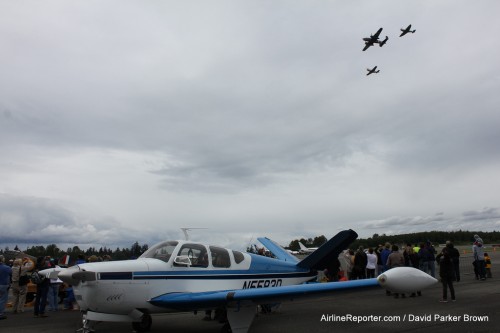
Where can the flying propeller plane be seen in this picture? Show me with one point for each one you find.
(407, 30)
(371, 71)
(374, 39)
(182, 275)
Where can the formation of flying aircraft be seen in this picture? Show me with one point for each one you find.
(304, 249)
(182, 275)
(407, 30)
(373, 70)
(374, 39)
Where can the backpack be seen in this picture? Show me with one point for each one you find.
(36, 278)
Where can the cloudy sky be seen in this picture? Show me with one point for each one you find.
(123, 121)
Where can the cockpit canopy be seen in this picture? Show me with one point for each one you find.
(189, 254)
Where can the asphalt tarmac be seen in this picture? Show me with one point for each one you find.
(477, 309)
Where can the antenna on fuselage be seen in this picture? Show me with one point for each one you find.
(185, 231)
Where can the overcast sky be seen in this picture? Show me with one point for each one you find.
(123, 121)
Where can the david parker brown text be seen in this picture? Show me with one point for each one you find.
(407, 317)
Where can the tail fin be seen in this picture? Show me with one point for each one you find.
(302, 247)
(329, 251)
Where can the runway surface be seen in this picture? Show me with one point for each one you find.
(477, 309)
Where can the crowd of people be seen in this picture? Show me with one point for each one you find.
(361, 264)
(16, 275)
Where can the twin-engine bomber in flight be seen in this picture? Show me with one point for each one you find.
(374, 39)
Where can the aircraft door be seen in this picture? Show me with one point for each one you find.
(192, 255)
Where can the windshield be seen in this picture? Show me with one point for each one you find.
(162, 251)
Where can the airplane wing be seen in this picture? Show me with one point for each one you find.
(277, 250)
(366, 47)
(377, 33)
(399, 279)
(202, 300)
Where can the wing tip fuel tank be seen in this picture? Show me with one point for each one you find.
(405, 279)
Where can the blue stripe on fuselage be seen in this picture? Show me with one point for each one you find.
(218, 275)
(260, 268)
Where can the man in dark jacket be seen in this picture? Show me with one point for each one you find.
(360, 261)
(455, 259)
(447, 273)
(5, 277)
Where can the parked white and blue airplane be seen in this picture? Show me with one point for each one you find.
(184, 276)
(305, 249)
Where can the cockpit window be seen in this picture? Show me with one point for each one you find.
(238, 256)
(196, 253)
(220, 257)
(162, 251)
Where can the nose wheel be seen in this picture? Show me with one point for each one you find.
(87, 325)
(144, 325)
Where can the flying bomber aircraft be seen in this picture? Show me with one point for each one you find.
(373, 39)
(407, 30)
(182, 275)
(371, 71)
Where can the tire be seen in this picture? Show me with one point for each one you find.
(144, 325)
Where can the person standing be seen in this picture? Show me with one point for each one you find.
(360, 260)
(384, 255)
(349, 260)
(447, 273)
(371, 263)
(432, 258)
(5, 277)
(413, 261)
(20, 279)
(477, 249)
(380, 264)
(396, 259)
(42, 289)
(53, 294)
(487, 261)
(455, 259)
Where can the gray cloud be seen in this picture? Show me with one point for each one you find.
(150, 109)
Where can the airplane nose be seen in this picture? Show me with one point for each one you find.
(405, 280)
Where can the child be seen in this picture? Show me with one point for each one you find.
(487, 261)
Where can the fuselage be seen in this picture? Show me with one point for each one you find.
(177, 267)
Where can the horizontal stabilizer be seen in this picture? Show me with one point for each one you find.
(328, 252)
(277, 250)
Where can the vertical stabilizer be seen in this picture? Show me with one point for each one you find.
(322, 257)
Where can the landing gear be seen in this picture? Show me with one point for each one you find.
(87, 325)
(144, 325)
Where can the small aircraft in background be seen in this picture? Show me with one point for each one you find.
(304, 249)
(407, 30)
(371, 71)
(180, 276)
(374, 39)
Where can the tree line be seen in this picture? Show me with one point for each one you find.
(54, 251)
(460, 237)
